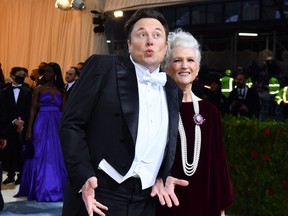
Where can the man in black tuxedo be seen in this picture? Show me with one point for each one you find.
(15, 103)
(71, 76)
(244, 101)
(2, 142)
(119, 129)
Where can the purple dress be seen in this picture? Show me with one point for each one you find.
(210, 189)
(44, 176)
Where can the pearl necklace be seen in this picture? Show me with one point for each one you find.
(189, 169)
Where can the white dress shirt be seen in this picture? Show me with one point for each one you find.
(16, 92)
(152, 135)
(68, 85)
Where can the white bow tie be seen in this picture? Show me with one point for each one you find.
(155, 79)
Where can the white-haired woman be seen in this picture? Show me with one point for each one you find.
(200, 156)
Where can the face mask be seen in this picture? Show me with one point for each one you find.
(19, 79)
(33, 78)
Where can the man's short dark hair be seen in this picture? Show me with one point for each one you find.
(14, 70)
(144, 13)
(77, 71)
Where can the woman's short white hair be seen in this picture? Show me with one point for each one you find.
(179, 38)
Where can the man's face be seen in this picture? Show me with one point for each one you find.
(240, 81)
(41, 68)
(70, 75)
(147, 44)
(16, 79)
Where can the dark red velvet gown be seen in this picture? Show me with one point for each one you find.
(210, 189)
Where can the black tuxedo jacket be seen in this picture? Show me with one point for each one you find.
(100, 120)
(251, 101)
(11, 110)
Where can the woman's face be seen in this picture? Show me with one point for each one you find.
(183, 66)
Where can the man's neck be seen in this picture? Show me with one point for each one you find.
(70, 83)
(16, 84)
(151, 68)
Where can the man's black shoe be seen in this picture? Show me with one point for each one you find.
(8, 181)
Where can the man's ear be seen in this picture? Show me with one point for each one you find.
(128, 44)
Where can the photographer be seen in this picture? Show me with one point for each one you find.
(244, 101)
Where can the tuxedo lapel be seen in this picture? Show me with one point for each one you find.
(10, 96)
(128, 93)
(21, 95)
(172, 92)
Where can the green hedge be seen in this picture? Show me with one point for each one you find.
(257, 155)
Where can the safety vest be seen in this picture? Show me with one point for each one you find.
(282, 95)
(227, 85)
(274, 86)
(249, 82)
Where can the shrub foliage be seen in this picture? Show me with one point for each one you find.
(257, 155)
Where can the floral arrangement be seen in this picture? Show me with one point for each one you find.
(257, 155)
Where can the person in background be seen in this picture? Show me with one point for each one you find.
(216, 97)
(1, 196)
(119, 129)
(227, 83)
(273, 89)
(282, 104)
(2, 83)
(33, 78)
(26, 76)
(244, 101)
(2, 78)
(200, 156)
(71, 76)
(80, 66)
(39, 79)
(36, 76)
(15, 104)
(2, 143)
(44, 175)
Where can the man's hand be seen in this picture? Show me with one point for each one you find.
(20, 124)
(3, 143)
(159, 190)
(166, 194)
(88, 195)
(243, 108)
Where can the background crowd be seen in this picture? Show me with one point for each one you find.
(258, 91)
(31, 107)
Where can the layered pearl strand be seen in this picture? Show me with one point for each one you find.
(189, 169)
